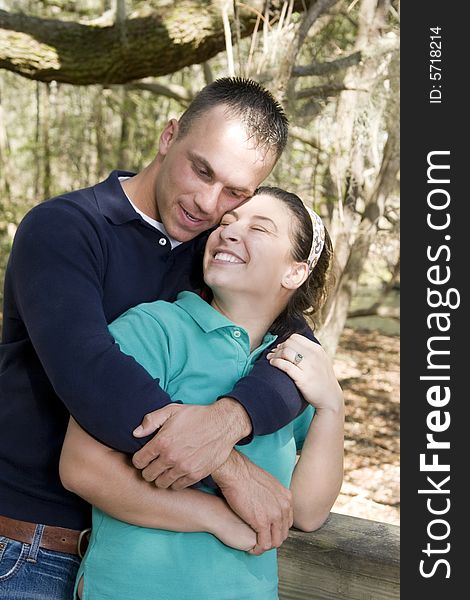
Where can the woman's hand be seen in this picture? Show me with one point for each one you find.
(232, 531)
(308, 365)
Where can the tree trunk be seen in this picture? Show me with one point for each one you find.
(5, 190)
(125, 154)
(283, 85)
(100, 145)
(37, 143)
(46, 179)
(354, 231)
(376, 308)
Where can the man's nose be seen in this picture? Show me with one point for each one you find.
(208, 199)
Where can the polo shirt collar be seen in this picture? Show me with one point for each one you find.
(207, 317)
(112, 201)
(115, 206)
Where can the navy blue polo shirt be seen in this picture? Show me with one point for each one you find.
(79, 261)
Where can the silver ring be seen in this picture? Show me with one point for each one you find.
(298, 357)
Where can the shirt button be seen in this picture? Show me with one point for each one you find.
(237, 333)
(162, 241)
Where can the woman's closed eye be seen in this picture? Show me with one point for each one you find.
(260, 228)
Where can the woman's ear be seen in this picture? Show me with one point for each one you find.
(169, 134)
(295, 276)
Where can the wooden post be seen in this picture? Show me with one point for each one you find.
(346, 559)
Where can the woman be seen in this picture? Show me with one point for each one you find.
(259, 264)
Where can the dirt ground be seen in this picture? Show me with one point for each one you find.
(367, 366)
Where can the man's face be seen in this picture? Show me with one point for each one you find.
(211, 170)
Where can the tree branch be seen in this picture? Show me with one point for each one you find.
(331, 89)
(327, 68)
(375, 311)
(284, 85)
(315, 10)
(157, 43)
(305, 136)
(383, 46)
(170, 90)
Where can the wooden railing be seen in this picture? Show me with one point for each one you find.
(346, 559)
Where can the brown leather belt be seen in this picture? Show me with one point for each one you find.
(59, 539)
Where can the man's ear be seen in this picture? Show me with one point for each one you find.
(169, 134)
(295, 276)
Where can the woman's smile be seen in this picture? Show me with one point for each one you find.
(226, 256)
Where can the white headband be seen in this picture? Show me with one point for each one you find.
(318, 239)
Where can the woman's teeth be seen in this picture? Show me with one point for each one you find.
(224, 257)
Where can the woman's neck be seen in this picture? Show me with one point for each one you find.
(255, 318)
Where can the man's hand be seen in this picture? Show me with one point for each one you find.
(191, 443)
(258, 498)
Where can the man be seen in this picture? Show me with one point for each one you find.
(80, 260)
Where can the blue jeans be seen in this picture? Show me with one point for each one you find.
(28, 572)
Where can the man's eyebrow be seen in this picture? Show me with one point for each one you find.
(234, 213)
(210, 171)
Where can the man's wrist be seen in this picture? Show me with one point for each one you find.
(235, 418)
(230, 471)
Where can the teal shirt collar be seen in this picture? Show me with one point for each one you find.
(210, 319)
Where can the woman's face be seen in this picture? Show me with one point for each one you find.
(251, 250)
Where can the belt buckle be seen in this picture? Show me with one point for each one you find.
(83, 539)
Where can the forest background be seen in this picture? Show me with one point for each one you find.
(87, 86)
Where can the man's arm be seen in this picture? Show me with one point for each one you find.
(57, 267)
(253, 494)
(258, 498)
(147, 333)
(269, 396)
(318, 474)
(106, 479)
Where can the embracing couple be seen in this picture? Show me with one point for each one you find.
(168, 301)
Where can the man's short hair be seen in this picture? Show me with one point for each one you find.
(262, 115)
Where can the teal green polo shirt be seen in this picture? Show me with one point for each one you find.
(197, 354)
